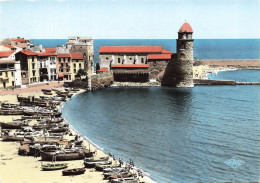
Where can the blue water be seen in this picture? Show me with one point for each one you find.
(176, 135)
(203, 48)
(237, 75)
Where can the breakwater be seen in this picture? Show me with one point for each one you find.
(222, 82)
(238, 63)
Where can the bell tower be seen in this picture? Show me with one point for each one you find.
(184, 62)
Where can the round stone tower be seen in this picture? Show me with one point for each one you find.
(184, 61)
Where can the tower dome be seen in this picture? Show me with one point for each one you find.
(186, 28)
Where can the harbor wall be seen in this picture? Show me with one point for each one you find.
(239, 63)
(102, 80)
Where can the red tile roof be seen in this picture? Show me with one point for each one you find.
(63, 55)
(102, 70)
(9, 46)
(45, 54)
(76, 55)
(6, 53)
(166, 52)
(130, 49)
(131, 66)
(50, 50)
(20, 40)
(28, 52)
(159, 56)
(186, 28)
(70, 42)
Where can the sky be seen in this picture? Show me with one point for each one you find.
(129, 19)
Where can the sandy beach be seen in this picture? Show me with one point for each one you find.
(27, 169)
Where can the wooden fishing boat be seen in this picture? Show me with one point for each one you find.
(74, 171)
(50, 167)
(125, 180)
(65, 156)
(12, 138)
(11, 112)
(12, 125)
(92, 164)
(102, 167)
(116, 176)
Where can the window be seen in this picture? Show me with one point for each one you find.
(118, 60)
(12, 73)
(6, 74)
(74, 65)
(33, 66)
(33, 58)
(142, 60)
(61, 70)
(12, 83)
(67, 70)
(69, 59)
(33, 73)
(0, 73)
(59, 59)
(77, 60)
(74, 70)
(64, 59)
(61, 64)
(80, 65)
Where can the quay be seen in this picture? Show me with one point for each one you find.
(222, 82)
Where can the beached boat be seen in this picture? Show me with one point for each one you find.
(50, 167)
(11, 112)
(11, 125)
(92, 164)
(123, 175)
(125, 180)
(12, 137)
(102, 167)
(65, 156)
(75, 171)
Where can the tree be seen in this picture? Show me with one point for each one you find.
(81, 72)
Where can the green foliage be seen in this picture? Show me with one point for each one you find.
(81, 72)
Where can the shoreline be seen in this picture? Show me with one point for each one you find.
(98, 148)
(12, 163)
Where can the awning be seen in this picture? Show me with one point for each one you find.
(61, 75)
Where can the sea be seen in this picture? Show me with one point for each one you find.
(201, 134)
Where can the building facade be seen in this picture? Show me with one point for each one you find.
(83, 45)
(21, 43)
(29, 66)
(135, 63)
(10, 73)
(47, 65)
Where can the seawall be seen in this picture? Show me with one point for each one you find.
(238, 63)
(221, 82)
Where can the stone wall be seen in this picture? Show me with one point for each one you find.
(102, 80)
(157, 69)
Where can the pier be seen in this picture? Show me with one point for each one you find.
(221, 82)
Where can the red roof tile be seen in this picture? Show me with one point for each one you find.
(159, 56)
(76, 55)
(102, 70)
(46, 54)
(6, 53)
(20, 40)
(28, 52)
(50, 50)
(70, 42)
(186, 28)
(63, 55)
(130, 49)
(9, 46)
(166, 52)
(131, 66)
